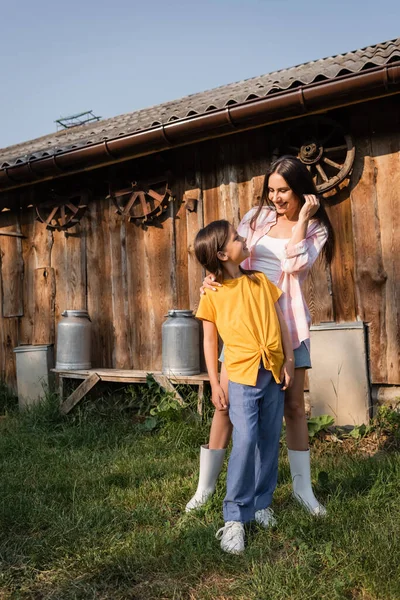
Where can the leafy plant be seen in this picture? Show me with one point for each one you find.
(360, 431)
(317, 424)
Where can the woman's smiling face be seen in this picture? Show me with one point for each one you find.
(283, 198)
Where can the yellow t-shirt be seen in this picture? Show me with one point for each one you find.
(243, 312)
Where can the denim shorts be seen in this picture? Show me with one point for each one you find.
(302, 359)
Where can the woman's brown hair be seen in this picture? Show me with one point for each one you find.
(300, 181)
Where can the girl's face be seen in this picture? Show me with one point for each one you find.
(283, 198)
(235, 249)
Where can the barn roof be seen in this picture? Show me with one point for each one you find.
(195, 105)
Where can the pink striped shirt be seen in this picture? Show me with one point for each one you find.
(295, 267)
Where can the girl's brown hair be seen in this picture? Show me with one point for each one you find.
(300, 181)
(208, 242)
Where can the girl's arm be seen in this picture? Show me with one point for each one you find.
(287, 372)
(210, 345)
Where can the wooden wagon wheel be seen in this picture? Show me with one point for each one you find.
(324, 148)
(62, 212)
(142, 201)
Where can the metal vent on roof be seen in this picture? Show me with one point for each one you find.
(75, 120)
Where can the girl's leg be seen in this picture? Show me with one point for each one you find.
(269, 431)
(240, 483)
(221, 426)
(297, 443)
(212, 455)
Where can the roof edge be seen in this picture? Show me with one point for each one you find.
(288, 104)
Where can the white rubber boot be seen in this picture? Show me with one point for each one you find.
(211, 462)
(299, 461)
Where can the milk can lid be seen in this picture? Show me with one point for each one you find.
(180, 313)
(75, 313)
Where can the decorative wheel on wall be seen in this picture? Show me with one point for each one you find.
(62, 212)
(142, 201)
(321, 144)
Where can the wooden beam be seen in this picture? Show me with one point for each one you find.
(166, 385)
(11, 233)
(79, 393)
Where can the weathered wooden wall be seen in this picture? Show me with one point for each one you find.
(128, 277)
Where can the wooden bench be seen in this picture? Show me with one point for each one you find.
(92, 376)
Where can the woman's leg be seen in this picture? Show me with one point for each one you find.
(297, 443)
(212, 455)
(295, 414)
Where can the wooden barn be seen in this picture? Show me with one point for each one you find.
(101, 216)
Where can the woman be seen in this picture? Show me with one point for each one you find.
(285, 234)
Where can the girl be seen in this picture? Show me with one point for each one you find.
(285, 235)
(258, 356)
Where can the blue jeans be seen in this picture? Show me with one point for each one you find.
(256, 414)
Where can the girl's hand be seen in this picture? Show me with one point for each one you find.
(309, 208)
(209, 283)
(287, 374)
(218, 398)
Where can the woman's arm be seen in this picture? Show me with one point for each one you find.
(287, 372)
(209, 283)
(308, 210)
(210, 345)
(302, 256)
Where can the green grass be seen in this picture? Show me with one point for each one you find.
(92, 507)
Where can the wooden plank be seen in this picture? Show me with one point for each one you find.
(166, 385)
(42, 245)
(318, 292)
(386, 152)
(29, 259)
(181, 280)
(131, 375)
(79, 393)
(11, 267)
(370, 273)
(68, 258)
(8, 341)
(194, 222)
(211, 180)
(44, 292)
(99, 282)
(157, 295)
(137, 285)
(342, 267)
(122, 351)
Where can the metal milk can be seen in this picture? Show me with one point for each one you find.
(180, 344)
(74, 335)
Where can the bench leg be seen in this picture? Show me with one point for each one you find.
(200, 398)
(61, 388)
(79, 393)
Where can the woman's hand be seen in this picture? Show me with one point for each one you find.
(287, 374)
(218, 398)
(309, 208)
(209, 283)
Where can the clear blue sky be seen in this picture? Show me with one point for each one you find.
(63, 57)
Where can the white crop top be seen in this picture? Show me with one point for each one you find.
(267, 256)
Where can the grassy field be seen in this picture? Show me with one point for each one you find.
(92, 507)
